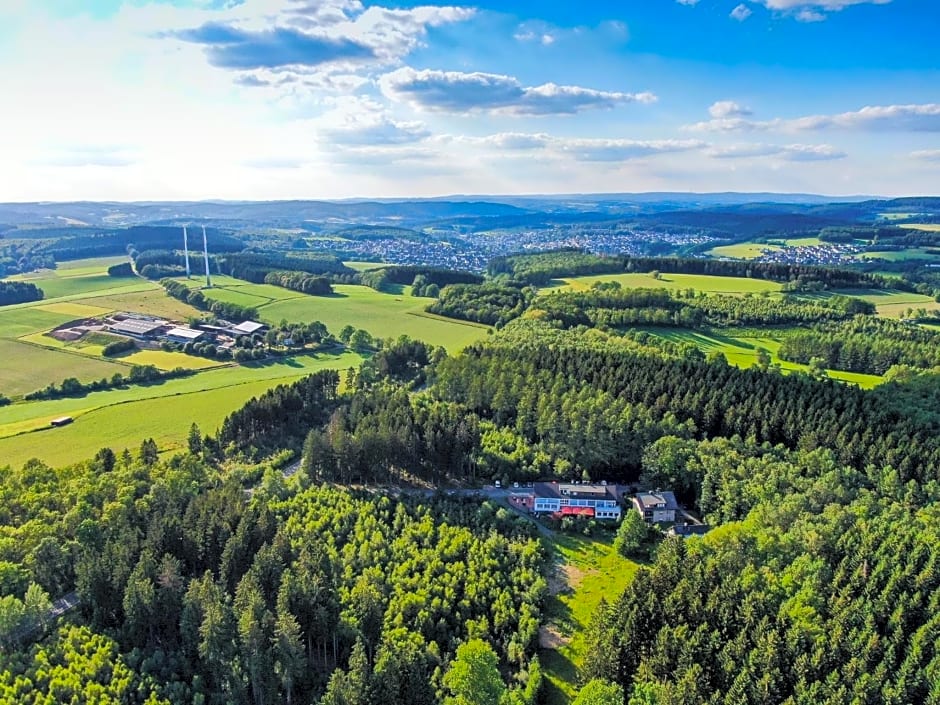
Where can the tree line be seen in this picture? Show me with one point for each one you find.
(19, 293)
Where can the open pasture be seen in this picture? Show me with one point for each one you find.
(163, 411)
(741, 351)
(382, 314)
(674, 282)
(153, 301)
(928, 227)
(27, 368)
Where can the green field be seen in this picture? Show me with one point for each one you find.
(153, 301)
(753, 250)
(363, 266)
(900, 255)
(123, 417)
(741, 351)
(888, 302)
(43, 366)
(929, 227)
(699, 282)
(588, 569)
(384, 315)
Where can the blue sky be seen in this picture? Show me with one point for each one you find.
(338, 98)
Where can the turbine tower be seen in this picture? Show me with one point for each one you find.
(186, 250)
(205, 251)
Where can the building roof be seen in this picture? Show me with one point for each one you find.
(248, 327)
(187, 333)
(656, 500)
(557, 490)
(133, 326)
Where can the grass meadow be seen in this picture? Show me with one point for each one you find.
(699, 282)
(164, 411)
(587, 570)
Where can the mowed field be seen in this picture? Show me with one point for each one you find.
(753, 250)
(741, 351)
(384, 315)
(123, 417)
(674, 282)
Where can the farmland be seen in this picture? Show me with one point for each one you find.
(164, 411)
(673, 282)
(384, 315)
(122, 417)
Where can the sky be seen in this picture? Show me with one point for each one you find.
(320, 99)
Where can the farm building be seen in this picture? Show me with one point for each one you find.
(656, 507)
(248, 328)
(61, 421)
(564, 499)
(184, 335)
(137, 327)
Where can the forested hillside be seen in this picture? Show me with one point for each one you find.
(211, 577)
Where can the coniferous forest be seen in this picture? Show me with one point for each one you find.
(262, 565)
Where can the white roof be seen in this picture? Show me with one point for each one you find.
(184, 333)
(248, 327)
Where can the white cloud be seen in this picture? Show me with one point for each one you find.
(687, 2)
(741, 12)
(728, 109)
(579, 148)
(789, 152)
(930, 155)
(812, 10)
(302, 38)
(874, 118)
(809, 15)
(462, 93)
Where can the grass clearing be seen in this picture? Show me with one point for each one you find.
(153, 301)
(699, 282)
(587, 569)
(27, 368)
(168, 360)
(900, 255)
(741, 351)
(124, 417)
(364, 266)
(17, 322)
(75, 310)
(91, 265)
(928, 227)
(383, 315)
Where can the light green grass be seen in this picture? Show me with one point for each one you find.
(27, 368)
(699, 282)
(364, 266)
(593, 570)
(383, 315)
(57, 285)
(888, 302)
(153, 301)
(168, 360)
(74, 310)
(741, 351)
(93, 265)
(16, 322)
(753, 250)
(743, 250)
(900, 255)
(929, 227)
(123, 417)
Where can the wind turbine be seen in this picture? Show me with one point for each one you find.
(205, 251)
(186, 250)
